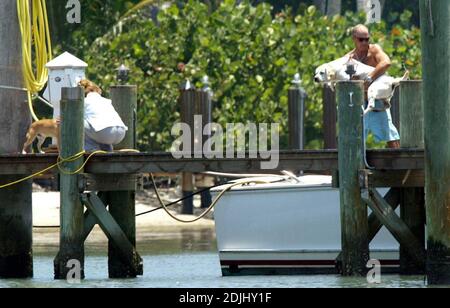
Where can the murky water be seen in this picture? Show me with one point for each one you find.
(184, 260)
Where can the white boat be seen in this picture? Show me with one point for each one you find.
(287, 227)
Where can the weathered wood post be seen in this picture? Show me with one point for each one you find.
(395, 109)
(124, 99)
(72, 142)
(122, 203)
(354, 222)
(204, 108)
(329, 118)
(187, 106)
(435, 29)
(296, 102)
(412, 210)
(16, 256)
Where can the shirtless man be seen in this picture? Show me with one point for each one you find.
(379, 123)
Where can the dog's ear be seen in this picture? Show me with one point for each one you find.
(332, 75)
(325, 73)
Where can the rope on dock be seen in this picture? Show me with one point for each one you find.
(61, 161)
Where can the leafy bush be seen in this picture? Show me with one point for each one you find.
(249, 55)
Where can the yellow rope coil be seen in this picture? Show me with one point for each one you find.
(33, 23)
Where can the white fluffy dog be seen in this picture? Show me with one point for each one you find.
(381, 89)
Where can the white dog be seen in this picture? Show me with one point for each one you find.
(381, 89)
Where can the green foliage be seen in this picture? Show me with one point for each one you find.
(249, 55)
(97, 17)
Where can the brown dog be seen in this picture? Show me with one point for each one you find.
(41, 130)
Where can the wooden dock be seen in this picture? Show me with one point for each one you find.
(128, 163)
(417, 174)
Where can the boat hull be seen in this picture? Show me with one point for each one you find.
(287, 229)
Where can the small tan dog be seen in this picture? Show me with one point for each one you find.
(41, 130)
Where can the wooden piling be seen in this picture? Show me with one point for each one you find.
(16, 255)
(412, 209)
(204, 107)
(354, 223)
(296, 101)
(435, 30)
(411, 114)
(124, 99)
(329, 118)
(71, 212)
(395, 108)
(16, 228)
(187, 106)
(122, 203)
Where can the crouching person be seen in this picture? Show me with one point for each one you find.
(102, 124)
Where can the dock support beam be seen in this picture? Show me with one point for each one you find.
(72, 142)
(354, 222)
(16, 256)
(435, 21)
(412, 210)
(122, 203)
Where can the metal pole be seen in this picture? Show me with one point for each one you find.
(16, 255)
(72, 142)
(354, 222)
(435, 29)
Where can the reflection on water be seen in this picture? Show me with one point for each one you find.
(185, 259)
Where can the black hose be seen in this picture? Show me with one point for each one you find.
(151, 211)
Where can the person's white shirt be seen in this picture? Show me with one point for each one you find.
(100, 113)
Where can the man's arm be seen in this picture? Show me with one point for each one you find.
(383, 62)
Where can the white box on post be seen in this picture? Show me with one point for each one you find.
(65, 71)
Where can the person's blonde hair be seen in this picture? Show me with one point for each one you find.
(89, 87)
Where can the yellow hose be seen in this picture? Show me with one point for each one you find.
(33, 23)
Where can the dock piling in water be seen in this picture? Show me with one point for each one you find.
(412, 209)
(122, 203)
(72, 210)
(187, 105)
(435, 30)
(16, 254)
(354, 223)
